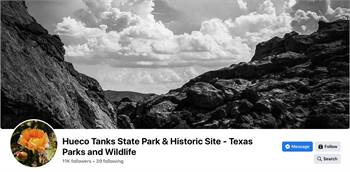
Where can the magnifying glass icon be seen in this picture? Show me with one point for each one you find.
(319, 158)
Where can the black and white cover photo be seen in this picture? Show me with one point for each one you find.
(176, 64)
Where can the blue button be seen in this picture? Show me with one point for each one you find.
(297, 146)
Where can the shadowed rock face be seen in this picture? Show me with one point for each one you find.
(36, 82)
(298, 81)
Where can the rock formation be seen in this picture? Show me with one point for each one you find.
(298, 81)
(36, 82)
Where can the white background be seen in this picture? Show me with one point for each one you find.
(265, 154)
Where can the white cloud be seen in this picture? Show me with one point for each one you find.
(242, 4)
(126, 34)
(308, 13)
(305, 22)
(74, 28)
(267, 7)
(261, 25)
(291, 3)
(139, 51)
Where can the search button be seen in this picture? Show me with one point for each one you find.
(327, 159)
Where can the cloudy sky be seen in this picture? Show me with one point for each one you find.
(153, 46)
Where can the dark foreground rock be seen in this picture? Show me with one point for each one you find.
(36, 82)
(298, 81)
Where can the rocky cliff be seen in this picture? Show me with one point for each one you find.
(36, 82)
(298, 81)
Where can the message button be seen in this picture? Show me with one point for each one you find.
(297, 146)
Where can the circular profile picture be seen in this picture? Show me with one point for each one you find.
(33, 143)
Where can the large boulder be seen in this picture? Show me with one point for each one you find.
(127, 108)
(204, 95)
(124, 122)
(160, 115)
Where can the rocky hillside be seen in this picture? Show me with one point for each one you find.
(298, 81)
(36, 82)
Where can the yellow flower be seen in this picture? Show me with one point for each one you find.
(34, 139)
